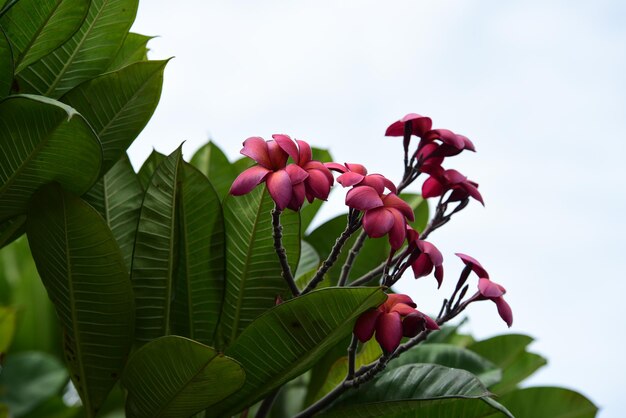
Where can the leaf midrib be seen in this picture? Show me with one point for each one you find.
(28, 46)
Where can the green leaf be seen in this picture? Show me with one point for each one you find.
(199, 279)
(134, 49)
(21, 288)
(39, 137)
(173, 377)
(153, 266)
(117, 197)
(450, 356)
(54, 408)
(309, 210)
(288, 339)
(420, 209)
(75, 253)
(12, 229)
(7, 328)
(28, 379)
(38, 27)
(149, 166)
(418, 390)
(214, 164)
(6, 65)
(548, 402)
(509, 353)
(309, 260)
(253, 272)
(86, 54)
(118, 105)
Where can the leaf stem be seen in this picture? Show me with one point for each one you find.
(281, 253)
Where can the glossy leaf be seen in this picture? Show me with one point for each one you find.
(287, 340)
(117, 197)
(7, 328)
(173, 377)
(148, 167)
(28, 379)
(21, 288)
(451, 356)
(214, 164)
(199, 277)
(509, 353)
(153, 266)
(548, 402)
(75, 253)
(134, 49)
(39, 137)
(309, 260)
(310, 210)
(38, 27)
(86, 54)
(6, 65)
(119, 104)
(419, 390)
(253, 272)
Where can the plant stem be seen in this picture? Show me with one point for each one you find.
(353, 224)
(352, 357)
(354, 251)
(281, 253)
(266, 405)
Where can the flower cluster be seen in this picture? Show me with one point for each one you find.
(392, 320)
(424, 257)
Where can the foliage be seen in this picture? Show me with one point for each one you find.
(158, 293)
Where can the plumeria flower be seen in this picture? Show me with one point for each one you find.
(392, 320)
(356, 175)
(424, 257)
(384, 214)
(451, 143)
(440, 181)
(271, 168)
(419, 125)
(320, 179)
(488, 289)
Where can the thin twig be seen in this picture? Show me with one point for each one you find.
(352, 357)
(354, 251)
(281, 253)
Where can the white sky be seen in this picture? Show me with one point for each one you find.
(539, 86)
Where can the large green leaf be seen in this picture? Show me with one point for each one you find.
(38, 27)
(199, 279)
(148, 167)
(153, 265)
(451, 356)
(134, 49)
(86, 54)
(419, 390)
(509, 353)
(12, 229)
(39, 137)
(214, 164)
(117, 197)
(287, 340)
(548, 402)
(86, 278)
(6, 65)
(28, 379)
(173, 377)
(7, 328)
(253, 272)
(21, 288)
(119, 104)
(420, 209)
(309, 261)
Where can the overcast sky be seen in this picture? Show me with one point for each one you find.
(539, 86)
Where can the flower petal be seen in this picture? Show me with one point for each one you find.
(475, 265)
(297, 197)
(377, 222)
(394, 201)
(431, 188)
(490, 289)
(278, 156)
(394, 298)
(296, 173)
(248, 180)
(363, 198)
(412, 324)
(504, 310)
(357, 168)
(336, 167)
(256, 148)
(287, 145)
(397, 233)
(389, 331)
(402, 309)
(433, 253)
(447, 137)
(453, 176)
(350, 179)
(318, 184)
(280, 188)
(366, 324)
(304, 151)
(422, 266)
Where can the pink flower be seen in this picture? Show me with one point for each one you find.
(271, 168)
(392, 320)
(417, 124)
(441, 181)
(424, 257)
(356, 175)
(488, 289)
(451, 143)
(320, 179)
(384, 213)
